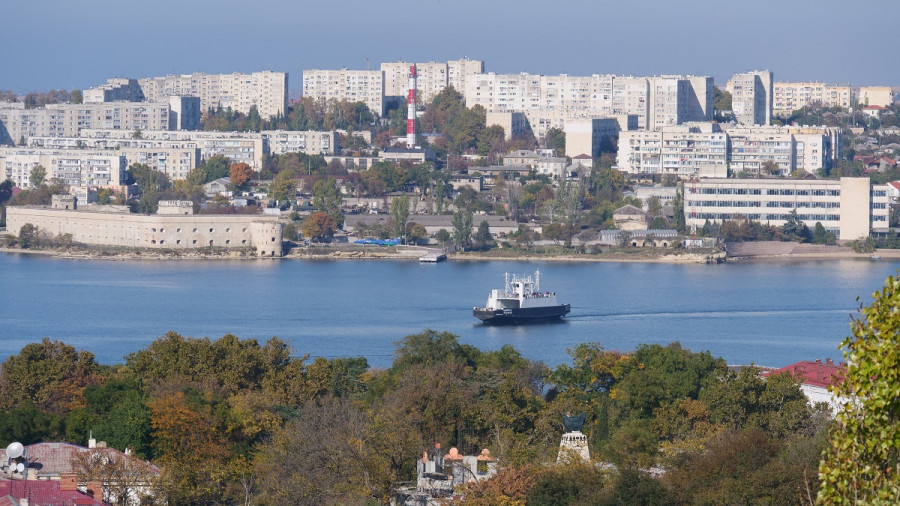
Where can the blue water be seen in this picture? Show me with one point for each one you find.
(770, 313)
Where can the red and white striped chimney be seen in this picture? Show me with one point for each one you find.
(411, 110)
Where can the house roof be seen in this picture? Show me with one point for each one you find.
(818, 373)
(895, 184)
(583, 157)
(629, 209)
(41, 492)
(57, 458)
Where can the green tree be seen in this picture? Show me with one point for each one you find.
(327, 199)
(483, 239)
(37, 176)
(862, 462)
(284, 187)
(442, 236)
(148, 179)
(462, 229)
(400, 214)
(555, 139)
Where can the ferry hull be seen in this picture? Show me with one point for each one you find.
(520, 316)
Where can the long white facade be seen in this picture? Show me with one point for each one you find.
(267, 90)
(791, 96)
(849, 207)
(365, 86)
(76, 168)
(684, 151)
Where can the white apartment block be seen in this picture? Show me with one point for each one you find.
(280, 142)
(684, 150)
(267, 90)
(238, 147)
(789, 97)
(656, 101)
(365, 86)
(459, 72)
(876, 95)
(849, 207)
(431, 79)
(67, 120)
(114, 90)
(513, 123)
(173, 158)
(792, 148)
(751, 97)
(77, 168)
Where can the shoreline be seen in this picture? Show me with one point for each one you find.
(413, 254)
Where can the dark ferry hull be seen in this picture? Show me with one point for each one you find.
(519, 316)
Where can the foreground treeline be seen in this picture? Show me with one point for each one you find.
(232, 419)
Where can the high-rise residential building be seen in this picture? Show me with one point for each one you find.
(365, 86)
(587, 136)
(267, 90)
(279, 142)
(688, 150)
(174, 158)
(75, 167)
(67, 120)
(431, 79)
(459, 71)
(114, 90)
(656, 101)
(876, 95)
(246, 147)
(752, 97)
(789, 97)
(850, 207)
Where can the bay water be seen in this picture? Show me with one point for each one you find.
(765, 312)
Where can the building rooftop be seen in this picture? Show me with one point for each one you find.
(817, 373)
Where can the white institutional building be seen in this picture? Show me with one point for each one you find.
(751, 97)
(851, 207)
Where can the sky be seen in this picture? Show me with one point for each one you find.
(53, 44)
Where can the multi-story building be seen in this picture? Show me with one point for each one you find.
(751, 97)
(655, 101)
(309, 142)
(459, 72)
(77, 168)
(789, 97)
(365, 86)
(66, 120)
(238, 147)
(114, 90)
(850, 207)
(689, 150)
(791, 148)
(184, 113)
(431, 79)
(876, 95)
(173, 158)
(587, 136)
(267, 90)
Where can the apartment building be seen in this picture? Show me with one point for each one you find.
(655, 101)
(789, 97)
(587, 136)
(876, 95)
(849, 207)
(365, 86)
(459, 72)
(697, 149)
(67, 120)
(173, 158)
(114, 90)
(279, 142)
(77, 168)
(239, 147)
(431, 78)
(267, 90)
(752, 97)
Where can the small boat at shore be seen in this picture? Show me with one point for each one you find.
(521, 301)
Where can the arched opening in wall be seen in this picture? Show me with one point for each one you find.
(273, 253)
(665, 245)
(210, 242)
(634, 244)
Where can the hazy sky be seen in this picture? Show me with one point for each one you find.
(78, 44)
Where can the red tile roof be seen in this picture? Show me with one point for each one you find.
(42, 492)
(895, 184)
(818, 373)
